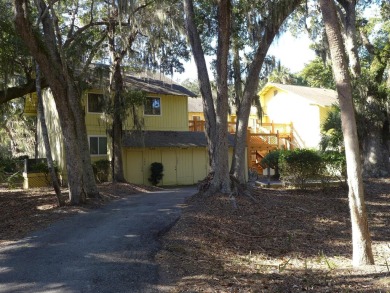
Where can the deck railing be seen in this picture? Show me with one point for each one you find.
(284, 129)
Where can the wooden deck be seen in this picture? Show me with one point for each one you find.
(260, 141)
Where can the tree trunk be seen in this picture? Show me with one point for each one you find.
(64, 93)
(361, 239)
(221, 180)
(45, 136)
(117, 125)
(350, 35)
(251, 88)
(375, 150)
(215, 119)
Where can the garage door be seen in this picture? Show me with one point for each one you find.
(185, 174)
(168, 159)
(134, 167)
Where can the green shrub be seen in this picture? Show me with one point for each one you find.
(156, 170)
(298, 166)
(101, 169)
(271, 160)
(335, 165)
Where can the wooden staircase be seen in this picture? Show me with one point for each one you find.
(272, 136)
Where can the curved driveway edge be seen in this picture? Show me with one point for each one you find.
(110, 249)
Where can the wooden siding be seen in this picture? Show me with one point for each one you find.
(173, 116)
(182, 166)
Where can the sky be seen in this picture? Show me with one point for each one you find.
(293, 54)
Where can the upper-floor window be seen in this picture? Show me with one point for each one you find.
(152, 106)
(95, 103)
(98, 145)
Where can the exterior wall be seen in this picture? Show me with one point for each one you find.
(182, 166)
(174, 113)
(306, 118)
(55, 134)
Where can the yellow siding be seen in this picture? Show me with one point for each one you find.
(97, 123)
(169, 161)
(150, 156)
(134, 167)
(200, 164)
(324, 111)
(285, 107)
(182, 166)
(185, 169)
(174, 113)
(55, 134)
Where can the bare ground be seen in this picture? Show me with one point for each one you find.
(285, 241)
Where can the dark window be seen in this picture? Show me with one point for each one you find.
(98, 145)
(152, 106)
(95, 103)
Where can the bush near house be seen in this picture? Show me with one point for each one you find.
(271, 160)
(101, 169)
(11, 170)
(156, 170)
(335, 165)
(297, 167)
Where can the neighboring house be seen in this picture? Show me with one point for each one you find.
(196, 116)
(165, 136)
(305, 107)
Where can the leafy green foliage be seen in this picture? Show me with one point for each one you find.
(318, 74)
(101, 169)
(332, 135)
(335, 165)
(156, 175)
(298, 166)
(271, 160)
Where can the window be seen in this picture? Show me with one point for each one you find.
(98, 145)
(152, 106)
(95, 103)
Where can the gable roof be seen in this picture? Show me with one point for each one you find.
(156, 86)
(195, 104)
(139, 139)
(318, 96)
(147, 81)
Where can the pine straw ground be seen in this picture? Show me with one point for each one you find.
(286, 241)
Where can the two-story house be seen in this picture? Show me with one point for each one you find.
(164, 137)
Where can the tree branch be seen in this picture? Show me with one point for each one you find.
(19, 91)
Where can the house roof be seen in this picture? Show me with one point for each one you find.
(139, 139)
(319, 96)
(156, 86)
(146, 81)
(195, 104)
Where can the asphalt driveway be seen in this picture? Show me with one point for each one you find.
(106, 250)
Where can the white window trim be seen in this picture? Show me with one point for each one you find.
(94, 113)
(152, 115)
(89, 144)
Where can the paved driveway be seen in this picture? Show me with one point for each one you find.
(106, 250)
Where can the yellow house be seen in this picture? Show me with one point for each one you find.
(196, 116)
(165, 136)
(304, 107)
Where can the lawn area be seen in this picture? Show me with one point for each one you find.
(284, 241)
